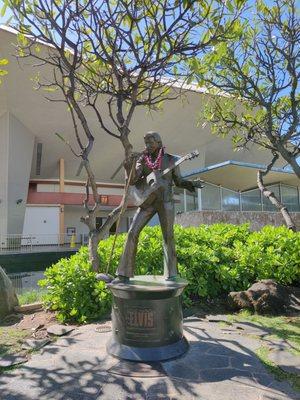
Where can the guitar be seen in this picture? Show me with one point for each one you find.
(155, 185)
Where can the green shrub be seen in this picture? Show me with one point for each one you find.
(73, 291)
(214, 259)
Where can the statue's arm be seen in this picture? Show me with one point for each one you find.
(180, 182)
(137, 172)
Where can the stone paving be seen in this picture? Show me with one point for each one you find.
(220, 365)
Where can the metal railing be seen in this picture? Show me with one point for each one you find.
(17, 243)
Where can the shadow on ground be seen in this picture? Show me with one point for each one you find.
(216, 367)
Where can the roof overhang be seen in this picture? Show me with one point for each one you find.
(241, 176)
(178, 123)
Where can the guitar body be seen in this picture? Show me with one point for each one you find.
(144, 195)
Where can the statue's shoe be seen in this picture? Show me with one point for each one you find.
(173, 278)
(120, 279)
(104, 277)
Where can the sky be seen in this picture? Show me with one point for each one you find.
(7, 14)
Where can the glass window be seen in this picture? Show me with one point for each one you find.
(251, 200)
(191, 201)
(230, 200)
(211, 199)
(290, 197)
(99, 223)
(113, 228)
(267, 205)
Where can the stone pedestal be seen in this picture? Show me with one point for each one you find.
(147, 319)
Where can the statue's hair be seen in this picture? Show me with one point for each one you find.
(155, 136)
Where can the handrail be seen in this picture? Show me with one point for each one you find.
(19, 243)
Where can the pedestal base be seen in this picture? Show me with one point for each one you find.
(147, 319)
(149, 354)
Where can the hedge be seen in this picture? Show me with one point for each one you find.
(215, 259)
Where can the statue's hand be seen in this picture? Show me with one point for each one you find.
(198, 184)
(131, 159)
(190, 186)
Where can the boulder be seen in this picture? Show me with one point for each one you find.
(264, 297)
(59, 330)
(8, 297)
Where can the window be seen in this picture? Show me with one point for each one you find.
(113, 229)
(191, 201)
(289, 195)
(99, 222)
(251, 200)
(230, 200)
(211, 199)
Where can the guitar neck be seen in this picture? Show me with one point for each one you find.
(178, 162)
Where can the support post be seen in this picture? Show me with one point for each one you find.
(62, 207)
(199, 200)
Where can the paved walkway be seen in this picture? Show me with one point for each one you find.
(220, 365)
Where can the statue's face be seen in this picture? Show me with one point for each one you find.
(151, 144)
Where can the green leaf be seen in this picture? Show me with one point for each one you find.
(4, 61)
(3, 9)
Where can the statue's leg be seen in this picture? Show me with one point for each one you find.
(127, 262)
(166, 218)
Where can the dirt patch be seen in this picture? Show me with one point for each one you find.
(16, 328)
(36, 319)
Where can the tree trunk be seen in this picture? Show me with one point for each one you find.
(292, 160)
(271, 196)
(93, 252)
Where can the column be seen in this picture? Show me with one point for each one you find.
(16, 163)
(62, 206)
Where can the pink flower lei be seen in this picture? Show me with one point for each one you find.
(155, 164)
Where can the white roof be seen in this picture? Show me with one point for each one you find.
(178, 124)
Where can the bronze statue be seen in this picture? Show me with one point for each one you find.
(153, 160)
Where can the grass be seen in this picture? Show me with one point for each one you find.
(285, 328)
(32, 296)
(11, 340)
(263, 354)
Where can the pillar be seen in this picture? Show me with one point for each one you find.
(16, 151)
(62, 207)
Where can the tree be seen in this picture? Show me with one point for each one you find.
(123, 54)
(256, 82)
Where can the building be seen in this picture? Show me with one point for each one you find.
(42, 183)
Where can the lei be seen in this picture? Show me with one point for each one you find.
(155, 164)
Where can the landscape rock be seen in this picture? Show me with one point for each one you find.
(35, 344)
(286, 361)
(28, 307)
(8, 297)
(250, 329)
(216, 318)
(59, 330)
(12, 318)
(280, 344)
(265, 297)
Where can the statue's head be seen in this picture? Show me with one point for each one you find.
(153, 141)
